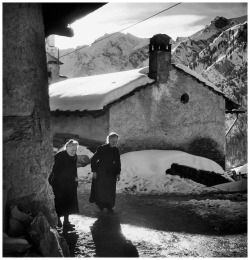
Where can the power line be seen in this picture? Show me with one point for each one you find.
(122, 29)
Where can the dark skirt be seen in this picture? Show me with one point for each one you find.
(66, 201)
(103, 189)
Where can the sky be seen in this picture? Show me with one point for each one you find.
(183, 20)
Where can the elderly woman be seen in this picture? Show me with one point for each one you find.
(64, 182)
(106, 168)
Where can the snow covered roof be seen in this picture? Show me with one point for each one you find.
(93, 93)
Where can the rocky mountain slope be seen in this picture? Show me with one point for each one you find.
(105, 56)
(218, 52)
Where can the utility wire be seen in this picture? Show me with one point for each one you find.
(121, 30)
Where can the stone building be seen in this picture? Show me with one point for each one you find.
(27, 136)
(53, 63)
(53, 68)
(166, 106)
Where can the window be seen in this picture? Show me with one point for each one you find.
(184, 98)
(49, 74)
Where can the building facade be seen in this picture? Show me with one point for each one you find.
(177, 110)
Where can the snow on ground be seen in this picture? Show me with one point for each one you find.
(145, 172)
(242, 169)
(82, 150)
(233, 186)
(225, 208)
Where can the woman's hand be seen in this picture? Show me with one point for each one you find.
(76, 181)
(94, 175)
(118, 177)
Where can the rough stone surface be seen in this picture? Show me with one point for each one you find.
(16, 228)
(18, 215)
(14, 246)
(19, 221)
(159, 65)
(46, 238)
(6, 187)
(86, 127)
(155, 117)
(27, 138)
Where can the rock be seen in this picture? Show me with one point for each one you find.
(6, 187)
(17, 228)
(64, 246)
(19, 221)
(21, 216)
(46, 238)
(14, 246)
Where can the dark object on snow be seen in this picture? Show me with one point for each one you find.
(64, 184)
(107, 165)
(200, 176)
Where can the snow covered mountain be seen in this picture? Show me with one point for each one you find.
(218, 52)
(108, 55)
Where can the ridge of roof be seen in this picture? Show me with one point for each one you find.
(139, 79)
(207, 83)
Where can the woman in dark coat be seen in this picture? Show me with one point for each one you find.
(64, 182)
(106, 168)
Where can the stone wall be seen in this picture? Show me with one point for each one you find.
(87, 126)
(27, 139)
(155, 117)
(55, 73)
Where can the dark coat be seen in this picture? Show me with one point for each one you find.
(64, 183)
(107, 165)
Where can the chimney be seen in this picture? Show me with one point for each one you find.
(159, 57)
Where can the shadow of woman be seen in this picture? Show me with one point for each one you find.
(71, 238)
(109, 240)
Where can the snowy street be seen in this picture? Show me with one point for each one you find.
(212, 225)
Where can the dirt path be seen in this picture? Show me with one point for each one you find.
(155, 226)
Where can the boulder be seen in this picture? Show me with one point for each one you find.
(19, 221)
(21, 216)
(64, 246)
(47, 239)
(16, 228)
(6, 187)
(14, 246)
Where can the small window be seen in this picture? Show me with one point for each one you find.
(49, 74)
(184, 98)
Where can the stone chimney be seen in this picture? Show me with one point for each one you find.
(159, 57)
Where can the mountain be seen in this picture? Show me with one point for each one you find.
(218, 52)
(116, 53)
(241, 19)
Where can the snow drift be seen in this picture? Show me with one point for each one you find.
(145, 172)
